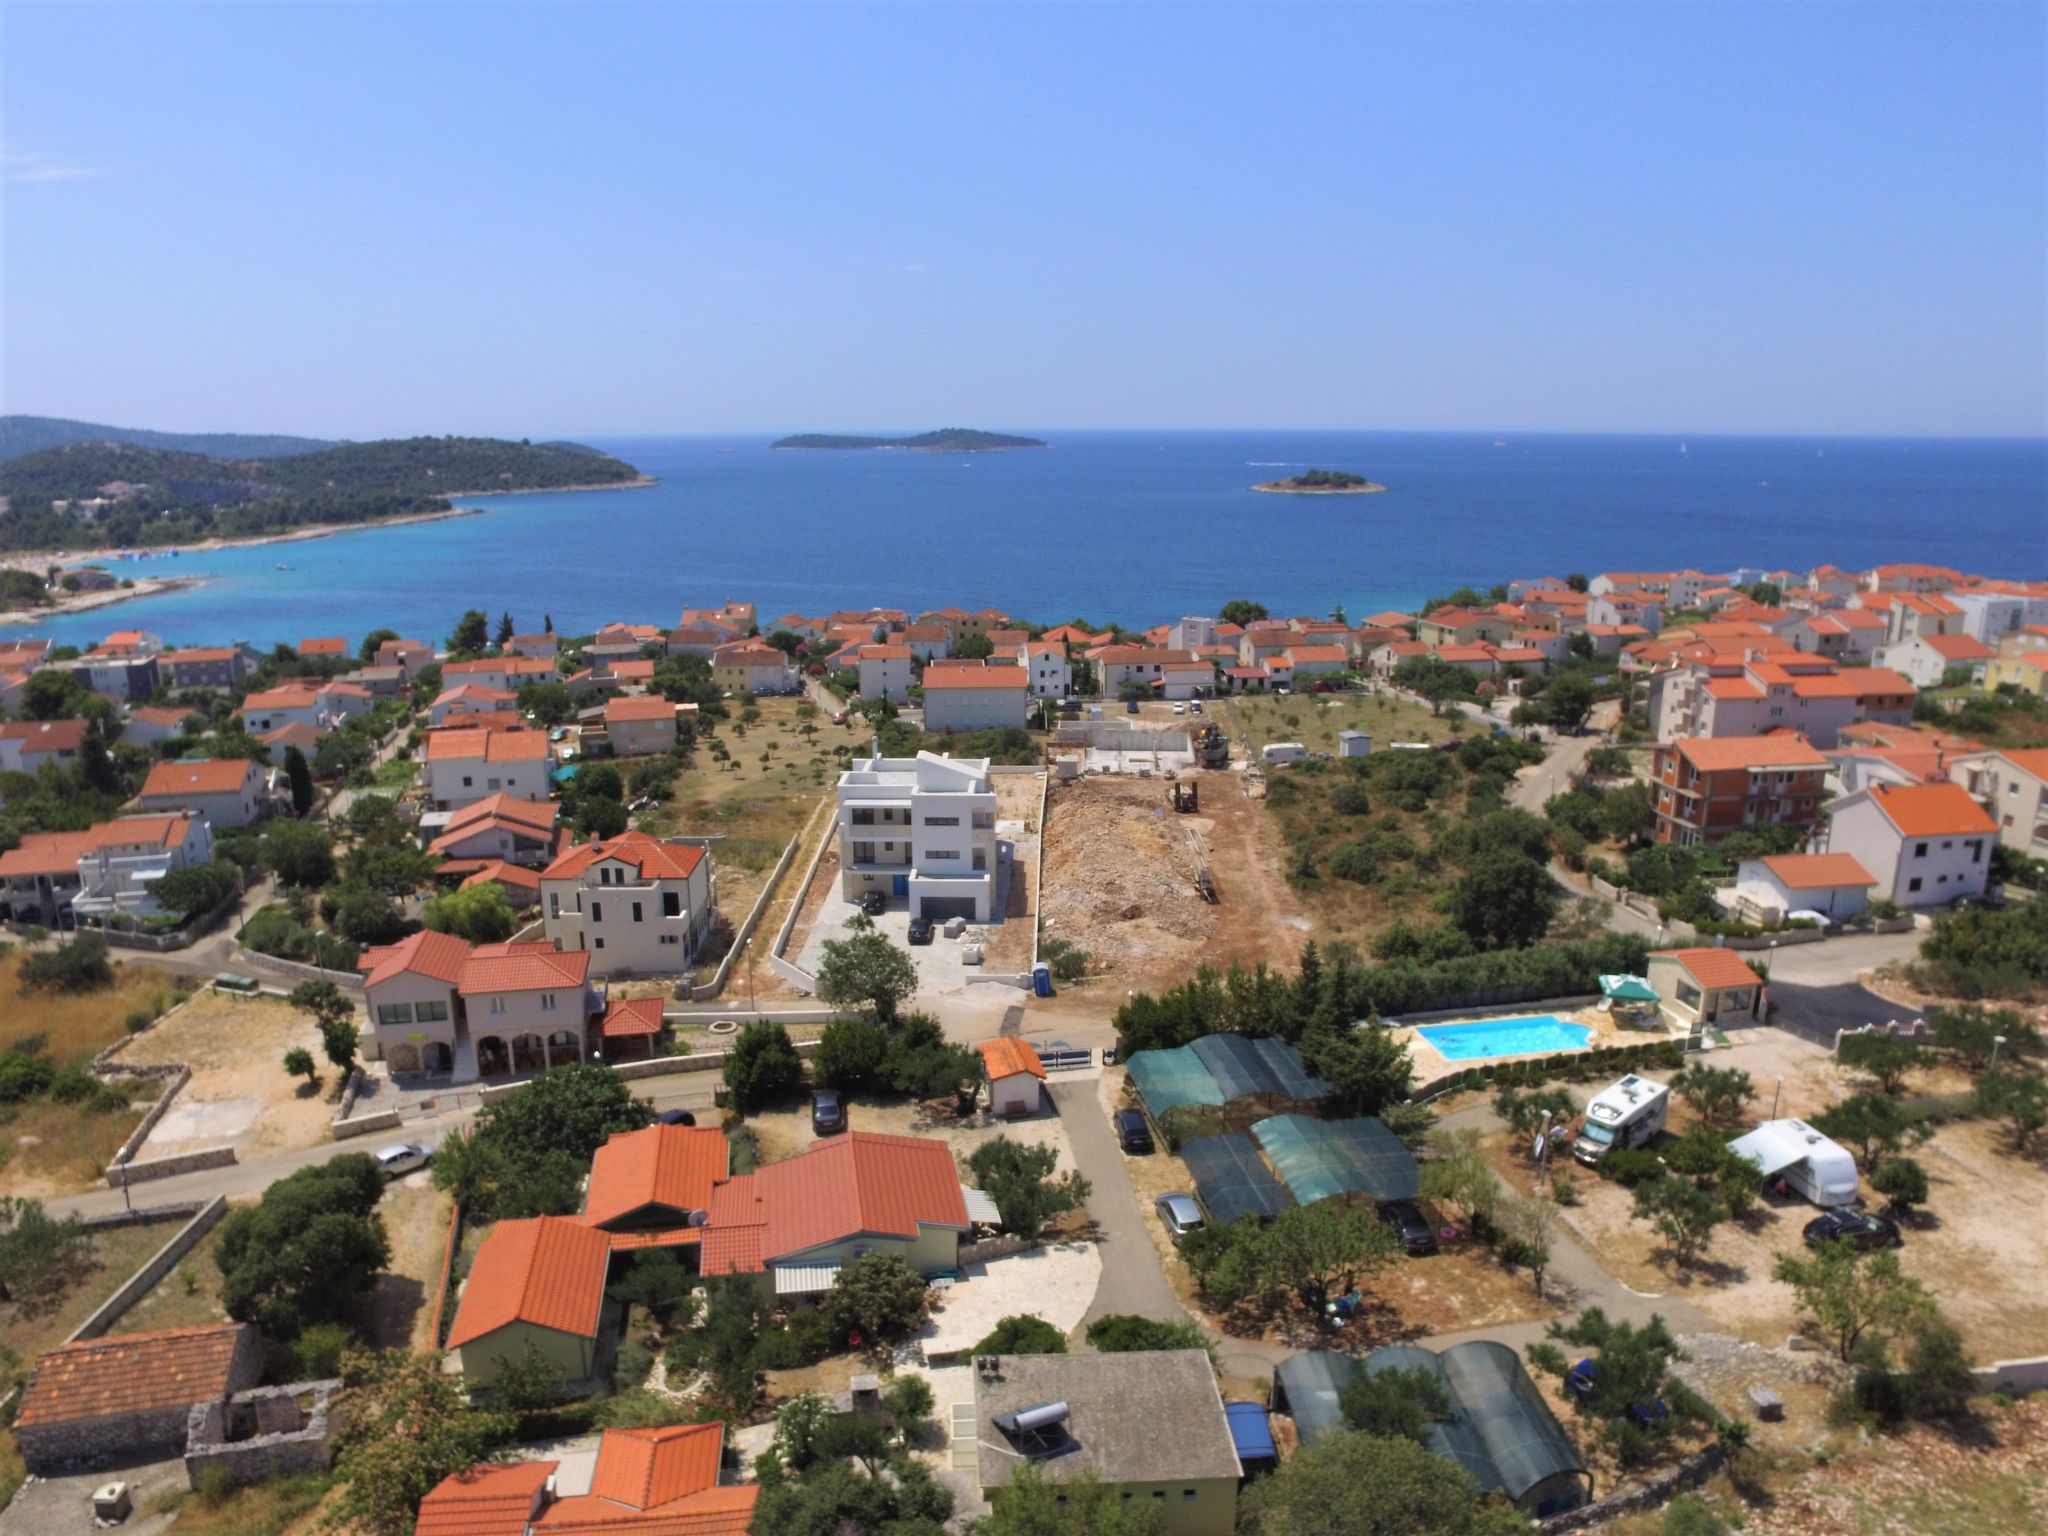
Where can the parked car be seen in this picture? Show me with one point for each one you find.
(1866, 1229)
(828, 1112)
(675, 1117)
(920, 930)
(1580, 1379)
(1180, 709)
(1132, 1133)
(406, 1157)
(1324, 685)
(1194, 706)
(1412, 1227)
(839, 718)
(1180, 1214)
(874, 903)
(1130, 706)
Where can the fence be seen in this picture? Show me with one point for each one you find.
(153, 1269)
(447, 1273)
(790, 972)
(2014, 1375)
(746, 929)
(295, 968)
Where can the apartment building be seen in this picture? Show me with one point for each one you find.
(976, 696)
(921, 830)
(884, 672)
(640, 725)
(641, 906)
(127, 856)
(442, 1006)
(1707, 788)
(1722, 696)
(228, 791)
(751, 667)
(1926, 844)
(1045, 663)
(466, 764)
(2012, 785)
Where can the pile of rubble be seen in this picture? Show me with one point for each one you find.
(1119, 876)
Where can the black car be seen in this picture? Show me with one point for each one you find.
(828, 1112)
(1580, 1380)
(1866, 1229)
(1132, 1133)
(874, 903)
(920, 930)
(1412, 1227)
(675, 1117)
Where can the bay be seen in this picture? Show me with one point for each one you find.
(1139, 527)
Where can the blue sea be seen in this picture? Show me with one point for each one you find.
(1139, 527)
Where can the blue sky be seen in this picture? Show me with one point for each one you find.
(358, 219)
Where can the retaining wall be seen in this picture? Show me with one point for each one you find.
(454, 1246)
(660, 1066)
(790, 972)
(2014, 1375)
(154, 1269)
(142, 1215)
(1689, 1473)
(700, 1017)
(348, 980)
(179, 1076)
(169, 1167)
(363, 1125)
(745, 931)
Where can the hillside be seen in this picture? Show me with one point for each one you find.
(21, 435)
(945, 440)
(416, 466)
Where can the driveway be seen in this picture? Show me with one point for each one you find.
(1132, 1280)
(1815, 1013)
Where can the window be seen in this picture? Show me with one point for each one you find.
(1919, 850)
(597, 912)
(942, 821)
(394, 1013)
(1976, 847)
(467, 781)
(554, 903)
(547, 1002)
(671, 938)
(497, 1005)
(1913, 884)
(636, 911)
(597, 943)
(1187, 1495)
(671, 903)
(431, 1013)
(943, 853)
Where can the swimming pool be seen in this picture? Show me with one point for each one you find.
(1533, 1033)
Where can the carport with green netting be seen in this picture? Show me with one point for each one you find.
(1224, 1071)
(1321, 1159)
(1232, 1180)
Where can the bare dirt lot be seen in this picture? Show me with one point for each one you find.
(239, 1095)
(1120, 880)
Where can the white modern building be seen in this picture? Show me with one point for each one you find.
(884, 672)
(640, 905)
(1926, 844)
(227, 791)
(1045, 662)
(921, 830)
(2013, 786)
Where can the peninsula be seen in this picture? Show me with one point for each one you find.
(945, 440)
(1322, 482)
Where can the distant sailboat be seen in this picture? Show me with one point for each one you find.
(1687, 452)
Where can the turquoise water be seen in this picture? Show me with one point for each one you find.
(1538, 1032)
(1139, 527)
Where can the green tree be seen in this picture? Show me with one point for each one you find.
(472, 636)
(923, 1064)
(1504, 901)
(1367, 1068)
(197, 888)
(1524, 1110)
(1033, 1504)
(1688, 1515)
(1681, 1213)
(1632, 1368)
(505, 630)
(1971, 1033)
(1854, 1296)
(1888, 1058)
(1370, 1485)
(1242, 611)
(299, 775)
(308, 1250)
(2020, 1099)
(366, 916)
(1019, 1178)
(1395, 1403)
(1903, 1183)
(530, 1151)
(298, 1061)
(1022, 1334)
(299, 853)
(548, 703)
(866, 970)
(1568, 701)
(1874, 1125)
(480, 913)
(410, 1426)
(376, 637)
(1718, 1095)
(849, 1055)
(880, 1297)
(79, 966)
(1316, 1250)
(42, 1257)
(1458, 1174)
(974, 648)
(762, 1066)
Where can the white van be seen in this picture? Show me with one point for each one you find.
(1629, 1114)
(1806, 1162)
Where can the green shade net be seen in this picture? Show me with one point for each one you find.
(1231, 1180)
(1321, 1158)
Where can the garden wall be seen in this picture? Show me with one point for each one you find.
(159, 1264)
(1689, 1473)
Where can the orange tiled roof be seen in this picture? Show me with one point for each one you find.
(47, 735)
(653, 858)
(545, 1270)
(47, 853)
(1006, 1056)
(491, 746)
(1931, 810)
(129, 1373)
(645, 1468)
(324, 645)
(498, 871)
(142, 831)
(631, 1018)
(426, 953)
(2033, 761)
(671, 1165)
(975, 675)
(1813, 871)
(536, 816)
(645, 707)
(484, 1501)
(522, 968)
(853, 1184)
(1719, 754)
(1714, 968)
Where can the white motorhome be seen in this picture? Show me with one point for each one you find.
(1629, 1114)
(1278, 754)
(1805, 1161)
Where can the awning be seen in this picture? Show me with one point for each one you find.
(1627, 989)
(980, 1207)
(1250, 1432)
(804, 1279)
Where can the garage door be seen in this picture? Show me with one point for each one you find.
(939, 908)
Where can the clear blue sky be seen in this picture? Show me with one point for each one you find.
(358, 219)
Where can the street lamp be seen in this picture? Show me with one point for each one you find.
(1775, 1094)
(1996, 1042)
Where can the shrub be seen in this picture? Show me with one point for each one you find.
(761, 1067)
(79, 966)
(1631, 1168)
(1022, 1334)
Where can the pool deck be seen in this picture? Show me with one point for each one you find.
(1430, 1063)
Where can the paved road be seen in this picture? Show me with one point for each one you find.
(1815, 1013)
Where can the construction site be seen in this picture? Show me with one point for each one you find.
(1154, 871)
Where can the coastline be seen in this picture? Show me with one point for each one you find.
(85, 602)
(640, 484)
(1278, 488)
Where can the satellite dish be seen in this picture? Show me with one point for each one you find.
(697, 1218)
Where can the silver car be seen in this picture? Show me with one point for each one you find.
(407, 1157)
(1180, 1213)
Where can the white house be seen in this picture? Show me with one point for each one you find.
(1927, 844)
(976, 697)
(227, 791)
(127, 856)
(25, 745)
(884, 672)
(322, 708)
(752, 667)
(641, 906)
(499, 827)
(1016, 1077)
(1927, 658)
(464, 766)
(921, 830)
(444, 1007)
(927, 641)
(1045, 662)
(640, 725)
(1833, 884)
(469, 698)
(2013, 786)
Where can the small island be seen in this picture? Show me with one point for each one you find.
(945, 440)
(1322, 482)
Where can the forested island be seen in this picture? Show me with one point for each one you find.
(945, 440)
(87, 494)
(1322, 482)
(32, 434)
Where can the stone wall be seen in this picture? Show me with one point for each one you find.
(2014, 1375)
(363, 1125)
(169, 1167)
(89, 1444)
(143, 1215)
(159, 1264)
(745, 930)
(263, 1433)
(1689, 1473)
(347, 980)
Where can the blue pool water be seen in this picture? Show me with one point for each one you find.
(1505, 1037)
